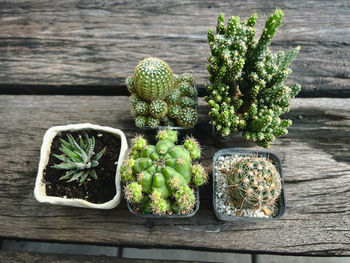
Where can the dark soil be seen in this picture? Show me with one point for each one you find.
(95, 191)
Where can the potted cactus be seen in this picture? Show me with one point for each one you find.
(247, 92)
(80, 166)
(161, 179)
(161, 98)
(247, 184)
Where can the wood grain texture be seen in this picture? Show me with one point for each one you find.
(33, 257)
(60, 44)
(315, 154)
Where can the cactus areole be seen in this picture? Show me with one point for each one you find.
(160, 178)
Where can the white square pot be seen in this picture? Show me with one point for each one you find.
(40, 189)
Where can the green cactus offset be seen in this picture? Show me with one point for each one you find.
(78, 159)
(161, 98)
(247, 91)
(253, 183)
(160, 179)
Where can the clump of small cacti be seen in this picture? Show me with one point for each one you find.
(253, 183)
(78, 159)
(161, 178)
(247, 91)
(161, 98)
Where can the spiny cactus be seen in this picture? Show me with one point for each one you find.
(153, 79)
(253, 183)
(78, 159)
(187, 117)
(133, 192)
(246, 91)
(161, 96)
(158, 108)
(166, 174)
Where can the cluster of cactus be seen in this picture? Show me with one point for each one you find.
(78, 159)
(247, 91)
(160, 178)
(253, 183)
(161, 98)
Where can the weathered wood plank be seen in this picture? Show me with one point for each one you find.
(46, 44)
(316, 157)
(33, 257)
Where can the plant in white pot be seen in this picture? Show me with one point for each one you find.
(80, 166)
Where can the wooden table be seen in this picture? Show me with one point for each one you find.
(50, 50)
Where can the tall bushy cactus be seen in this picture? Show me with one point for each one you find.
(253, 183)
(247, 91)
(161, 98)
(160, 178)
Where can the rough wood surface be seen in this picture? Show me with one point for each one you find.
(46, 44)
(33, 257)
(315, 154)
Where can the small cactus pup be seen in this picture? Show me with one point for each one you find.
(160, 98)
(161, 179)
(247, 92)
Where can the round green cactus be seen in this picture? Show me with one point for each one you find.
(152, 122)
(167, 121)
(186, 101)
(170, 135)
(160, 96)
(185, 199)
(199, 174)
(134, 99)
(193, 146)
(187, 117)
(187, 89)
(158, 109)
(187, 77)
(253, 183)
(153, 79)
(133, 192)
(174, 97)
(174, 111)
(165, 172)
(140, 121)
(141, 108)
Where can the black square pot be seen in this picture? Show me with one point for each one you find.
(281, 203)
(168, 216)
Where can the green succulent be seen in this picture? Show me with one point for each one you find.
(187, 117)
(153, 79)
(247, 91)
(78, 159)
(166, 173)
(253, 183)
(158, 96)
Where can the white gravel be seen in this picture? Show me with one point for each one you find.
(223, 204)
